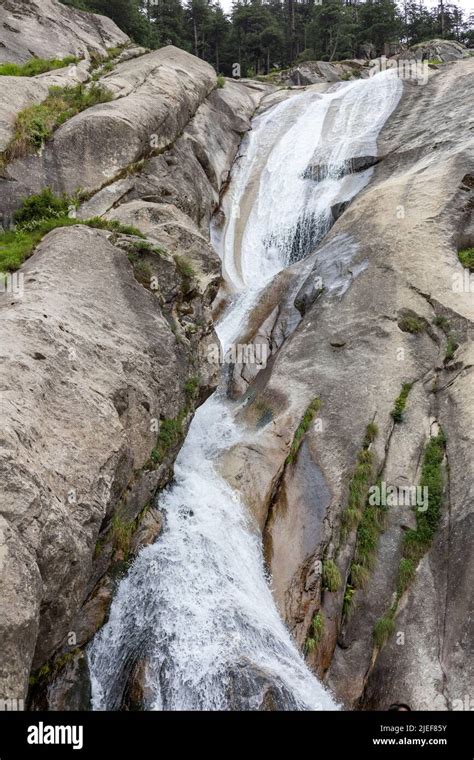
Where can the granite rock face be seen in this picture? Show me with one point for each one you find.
(155, 97)
(49, 29)
(107, 340)
(405, 316)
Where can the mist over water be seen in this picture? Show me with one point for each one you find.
(196, 607)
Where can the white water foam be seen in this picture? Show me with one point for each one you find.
(196, 606)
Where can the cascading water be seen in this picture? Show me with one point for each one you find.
(196, 607)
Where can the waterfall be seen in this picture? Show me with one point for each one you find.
(196, 608)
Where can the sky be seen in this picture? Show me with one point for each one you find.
(466, 5)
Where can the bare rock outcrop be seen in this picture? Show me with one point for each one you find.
(438, 50)
(155, 97)
(49, 29)
(110, 334)
(401, 317)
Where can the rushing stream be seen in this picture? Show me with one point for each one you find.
(196, 606)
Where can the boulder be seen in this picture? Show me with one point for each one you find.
(444, 51)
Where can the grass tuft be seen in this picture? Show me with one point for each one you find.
(316, 632)
(302, 429)
(400, 402)
(35, 66)
(331, 575)
(371, 433)
(466, 257)
(383, 630)
(170, 433)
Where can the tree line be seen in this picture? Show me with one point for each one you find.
(261, 35)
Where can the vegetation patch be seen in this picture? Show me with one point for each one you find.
(39, 215)
(347, 603)
(316, 632)
(170, 433)
(412, 324)
(220, 81)
(417, 541)
(35, 66)
(466, 257)
(383, 629)
(302, 429)
(122, 532)
(359, 575)
(400, 402)
(331, 575)
(451, 341)
(54, 667)
(187, 272)
(371, 433)
(191, 388)
(35, 124)
(358, 489)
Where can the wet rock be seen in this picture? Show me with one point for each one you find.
(377, 269)
(319, 172)
(68, 687)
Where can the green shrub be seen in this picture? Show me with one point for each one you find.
(400, 402)
(451, 343)
(44, 205)
(443, 323)
(347, 603)
(331, 575)
(220, 81)
(35, 66)
(317, 625)
(466, 257)
(417, 541)
(302, 429)
(100, 223)
(18, 245)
